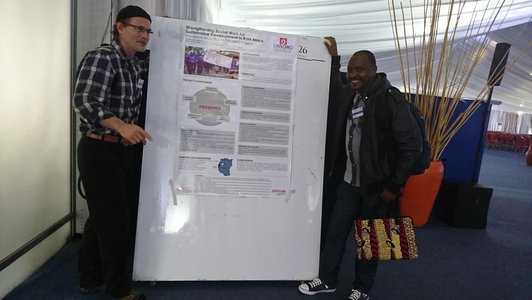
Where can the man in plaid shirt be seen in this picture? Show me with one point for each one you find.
(107, 97)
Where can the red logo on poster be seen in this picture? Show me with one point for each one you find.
(283, 41)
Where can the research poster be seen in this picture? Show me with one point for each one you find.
(235, 111)
(231, 184)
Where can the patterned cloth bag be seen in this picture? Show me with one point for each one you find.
(385, 239)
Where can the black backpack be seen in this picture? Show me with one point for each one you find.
(424, 159)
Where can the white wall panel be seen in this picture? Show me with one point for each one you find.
(34, 128)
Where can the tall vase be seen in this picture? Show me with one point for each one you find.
(420, 192)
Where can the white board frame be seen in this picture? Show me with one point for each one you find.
(230, 238)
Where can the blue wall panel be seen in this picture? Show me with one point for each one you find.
(460, 158)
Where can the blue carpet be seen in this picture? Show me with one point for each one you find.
(454, 263)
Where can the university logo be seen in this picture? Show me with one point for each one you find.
(283, 45)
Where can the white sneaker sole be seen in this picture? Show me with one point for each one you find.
(306, 292)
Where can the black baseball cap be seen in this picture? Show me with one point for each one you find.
(132, 11)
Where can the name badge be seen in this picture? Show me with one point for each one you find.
(357, 112)
(140, 83)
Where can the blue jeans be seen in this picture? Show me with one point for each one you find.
(350, 205)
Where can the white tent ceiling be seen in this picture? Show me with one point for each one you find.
(360, 24)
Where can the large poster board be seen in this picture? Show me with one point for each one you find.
(231, 185)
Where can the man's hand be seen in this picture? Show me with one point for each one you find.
(387, 195)
(131, 134)
(330, 43)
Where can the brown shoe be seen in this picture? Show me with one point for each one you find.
(133, 295)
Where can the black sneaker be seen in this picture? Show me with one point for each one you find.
(313, 287)
(358, 295)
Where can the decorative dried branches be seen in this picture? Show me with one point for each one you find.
(442, 54)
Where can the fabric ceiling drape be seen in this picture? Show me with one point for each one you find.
(364, 24)
(509, 122)
(526, 124)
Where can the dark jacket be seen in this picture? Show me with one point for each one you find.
(390, 138)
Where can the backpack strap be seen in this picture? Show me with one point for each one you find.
(388, 96)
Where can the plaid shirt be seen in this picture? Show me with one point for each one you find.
(108, 84)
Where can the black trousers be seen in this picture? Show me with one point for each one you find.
(350, 205)
(330, 187)
(111, 179)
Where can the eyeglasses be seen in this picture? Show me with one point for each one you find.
(139, 29)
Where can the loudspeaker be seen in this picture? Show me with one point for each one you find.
(464, 205)
(502, 50)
